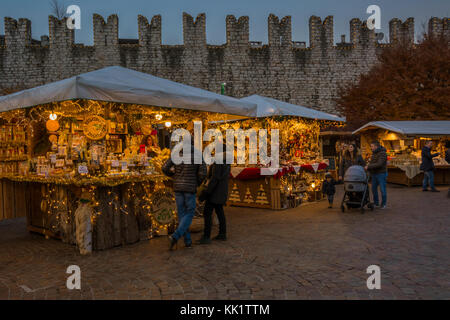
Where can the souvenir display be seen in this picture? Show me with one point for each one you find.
(404, 154)
(301, 167)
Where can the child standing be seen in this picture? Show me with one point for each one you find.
(328, 188)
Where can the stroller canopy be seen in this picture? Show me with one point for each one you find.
(355, 174)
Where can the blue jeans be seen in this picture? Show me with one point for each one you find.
(379, 179)
(186, 208)
(428, 177)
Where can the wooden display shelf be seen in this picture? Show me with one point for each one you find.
(25, 158)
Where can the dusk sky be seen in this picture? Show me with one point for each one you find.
(171, 11)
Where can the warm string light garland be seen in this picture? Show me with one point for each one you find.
(53, 205)
(107, 181)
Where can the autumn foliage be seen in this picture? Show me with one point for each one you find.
(410, 82)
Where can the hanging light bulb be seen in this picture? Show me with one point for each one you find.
(313, 185)
(158, 116)
(168, 124)
(53, 116)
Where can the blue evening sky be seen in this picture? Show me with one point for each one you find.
(258, 10)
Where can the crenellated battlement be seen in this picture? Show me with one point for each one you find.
(282, 68)
(106, 33)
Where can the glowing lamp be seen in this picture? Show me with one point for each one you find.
(168, 124)
(313, 185)
(158, 116)
(53, 116)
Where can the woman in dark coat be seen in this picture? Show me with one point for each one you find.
(350, 158)
(216, 195)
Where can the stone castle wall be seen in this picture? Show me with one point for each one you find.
(281, 69)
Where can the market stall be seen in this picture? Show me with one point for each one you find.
(404, 141)
(298, 179)
(81, 157)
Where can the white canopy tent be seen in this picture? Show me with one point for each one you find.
(410, 128)
(118, 84)
(267, 107)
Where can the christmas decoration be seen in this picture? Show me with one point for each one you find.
(261, 198)
(52, 125)
(95, 127)
(234, 195)
(248, 196)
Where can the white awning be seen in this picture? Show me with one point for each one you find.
(268, 107)
(411, 128)
(118, 84)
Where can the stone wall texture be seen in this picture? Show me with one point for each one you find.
(281, 69)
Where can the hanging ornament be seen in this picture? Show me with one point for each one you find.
(95, 127)
(53, 139)
(52, 125)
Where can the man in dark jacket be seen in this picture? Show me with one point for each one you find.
(216, 195)
(427, 166)
(186, 179)
(378, 170)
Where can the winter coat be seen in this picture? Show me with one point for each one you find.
(427, 159)
(347, 163)
(186, 177)
(378, 161)
(217, 189)
(328, 188)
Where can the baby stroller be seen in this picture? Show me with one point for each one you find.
(356, 189)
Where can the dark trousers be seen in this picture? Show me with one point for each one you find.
(207, 215)
(330, 198)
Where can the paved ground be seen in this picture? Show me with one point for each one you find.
(304, 253)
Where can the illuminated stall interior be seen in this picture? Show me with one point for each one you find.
(302, 166)
(99, 138)
(404, 141)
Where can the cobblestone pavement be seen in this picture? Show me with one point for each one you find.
(310, 252)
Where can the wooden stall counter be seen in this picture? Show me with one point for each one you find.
(249, 188)
(398, 176)
(122, 206)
